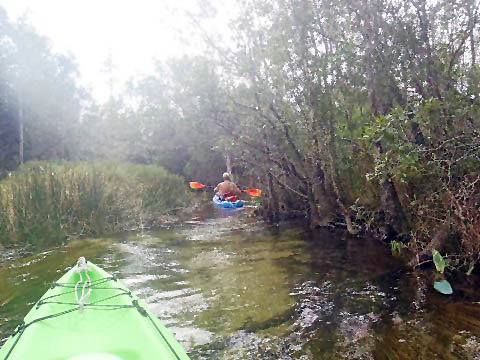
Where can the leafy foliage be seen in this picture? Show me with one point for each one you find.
(438, 261)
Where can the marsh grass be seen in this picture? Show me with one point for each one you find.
(45, 203)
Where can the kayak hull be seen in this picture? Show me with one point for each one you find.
(227, 204)
(113, 324)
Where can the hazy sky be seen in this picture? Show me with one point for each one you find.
(133, 31)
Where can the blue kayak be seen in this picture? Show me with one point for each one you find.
(227, 204)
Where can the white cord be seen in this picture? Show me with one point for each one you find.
(82, 267)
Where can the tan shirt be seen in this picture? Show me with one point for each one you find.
(227, 187)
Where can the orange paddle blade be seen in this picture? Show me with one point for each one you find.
(253, 192)
(196, 185)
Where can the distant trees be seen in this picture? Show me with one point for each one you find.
(39, 99)
(164, 118)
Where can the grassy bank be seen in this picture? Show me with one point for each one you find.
(45, 203)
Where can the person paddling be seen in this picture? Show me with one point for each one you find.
(227, 188)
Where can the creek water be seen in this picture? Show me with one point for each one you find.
(231, 287)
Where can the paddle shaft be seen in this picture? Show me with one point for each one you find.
(252, 192)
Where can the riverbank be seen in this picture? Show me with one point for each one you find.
(46, 203)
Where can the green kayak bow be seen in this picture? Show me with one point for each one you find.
(89, 315)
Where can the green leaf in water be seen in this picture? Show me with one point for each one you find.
(438, 261)
(443, 287)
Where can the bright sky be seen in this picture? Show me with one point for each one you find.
(134, 32)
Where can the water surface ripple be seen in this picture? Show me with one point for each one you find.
(230, 287)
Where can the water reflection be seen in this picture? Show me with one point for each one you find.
(233, 288)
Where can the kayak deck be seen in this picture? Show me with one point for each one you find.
(114, 324)
(227, 204)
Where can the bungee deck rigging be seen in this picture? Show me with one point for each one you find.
(92, 317)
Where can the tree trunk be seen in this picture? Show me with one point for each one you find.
(472, 47)
(394, 216)
(472, 14)
(228, 163)
(334, 178)
(20, 129)
(352, 229)
(314, 220)
(273, 206)
(324, 199)
(323, 205)
(319, 201)
(432, 76)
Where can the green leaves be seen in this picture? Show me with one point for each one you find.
(443, 287)
(438, 261)
(396, 247)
